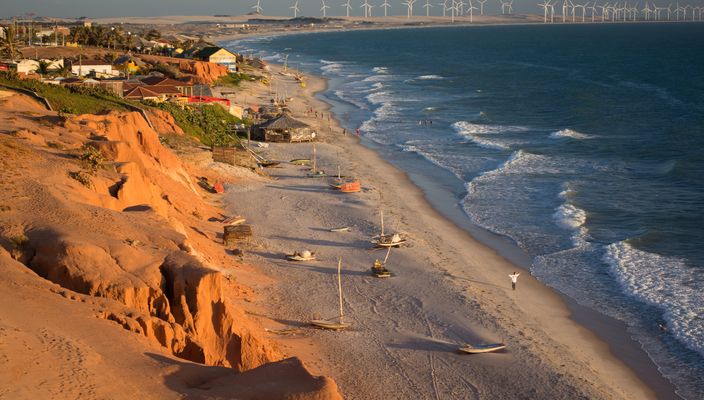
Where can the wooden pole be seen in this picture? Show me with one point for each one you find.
(315, 170)
(339, 287)
(387, 254)
(382, 221)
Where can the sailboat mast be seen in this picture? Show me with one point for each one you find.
(314, 160)
(382, 221)
(339, 287)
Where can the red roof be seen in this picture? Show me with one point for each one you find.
(164, 89)
(140, 92)
(159, 81)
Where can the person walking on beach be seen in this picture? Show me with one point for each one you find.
(514, 279)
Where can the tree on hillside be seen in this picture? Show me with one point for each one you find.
(152, 34)
(9, 45)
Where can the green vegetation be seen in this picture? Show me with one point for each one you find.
(233, 80)
(91, 159)
(71, 99)
(208, 123)
(9, 45)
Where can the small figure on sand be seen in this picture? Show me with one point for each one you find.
(357, 132)
(514, 279)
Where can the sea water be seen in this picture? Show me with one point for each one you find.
(582, 144)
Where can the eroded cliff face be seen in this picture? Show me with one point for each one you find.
(133, 230)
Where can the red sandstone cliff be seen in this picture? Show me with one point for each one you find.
(95, 209)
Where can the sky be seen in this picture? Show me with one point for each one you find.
(110, 8)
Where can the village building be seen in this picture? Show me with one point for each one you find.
(28, 66)
(184, 88)
(284, 128)
(217, 55)
(93, 67)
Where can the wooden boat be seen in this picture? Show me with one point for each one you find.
(268, 164)
(387, 240)
(351, 187)
(218, 188)
(481, 348)
(302, 256)
(394, 240)
(338, 323)
(379, 268)
(234, 220)
(342, 229)
(300, 161)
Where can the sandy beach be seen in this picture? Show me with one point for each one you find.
(448, 289)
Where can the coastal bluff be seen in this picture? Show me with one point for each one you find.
(114, 282)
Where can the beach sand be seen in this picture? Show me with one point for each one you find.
(447, 288)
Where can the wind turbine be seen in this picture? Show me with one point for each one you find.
(592, 9)
(505, 6)
(427, 7)
(409, 4)
(460, 7)
(565, 10)
(481, 6)
(324, 8)
(471, 9)
(258, 7)
(545, 6)
(348, 6)
(367, 8)
(295, 9)
(584, 10)
(386, 7)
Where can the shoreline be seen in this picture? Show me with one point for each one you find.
(568, 312)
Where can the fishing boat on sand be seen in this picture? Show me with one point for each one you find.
(379, 268)
(301, 256)
(387, 240)
(338, 323)
(482, 348)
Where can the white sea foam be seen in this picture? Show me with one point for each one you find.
(569, 133)
(380, 70)
(430, 77)
(664, 282)
(330, 66)
(482, 134)
(430, 109)
(569, 216)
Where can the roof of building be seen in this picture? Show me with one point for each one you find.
(282, 122)
(140, 92)
(206, 52)
(85, 63)
(162, 81)
(163, 89)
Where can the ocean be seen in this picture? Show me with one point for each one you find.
(582, 145)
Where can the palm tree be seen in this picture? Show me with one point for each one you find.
(9, 45)
(43, 67)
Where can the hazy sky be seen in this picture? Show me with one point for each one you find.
(106, 8)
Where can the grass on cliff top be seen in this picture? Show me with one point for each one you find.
(70, 100)
(208, 123)
(233, 80)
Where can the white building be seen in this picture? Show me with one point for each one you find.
(95, 67)
(28, 66)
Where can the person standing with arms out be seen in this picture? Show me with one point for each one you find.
(514, 279)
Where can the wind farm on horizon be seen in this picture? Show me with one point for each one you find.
(568, 11)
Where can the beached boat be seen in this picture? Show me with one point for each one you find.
(338, 323)
(300, 161)
(387, 240)
(481, 348)
(341, 229)
(301, 256)
(315, 172)
(268, 164)
(351, 187)
(379, 268)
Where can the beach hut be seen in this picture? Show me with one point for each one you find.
(284, 128)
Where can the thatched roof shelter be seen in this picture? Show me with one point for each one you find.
(284, 128)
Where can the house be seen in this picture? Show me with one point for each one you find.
(284, 128)
(142, 93)
(28, 66)
(217, 55)
(184, 88)
(95, 67)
